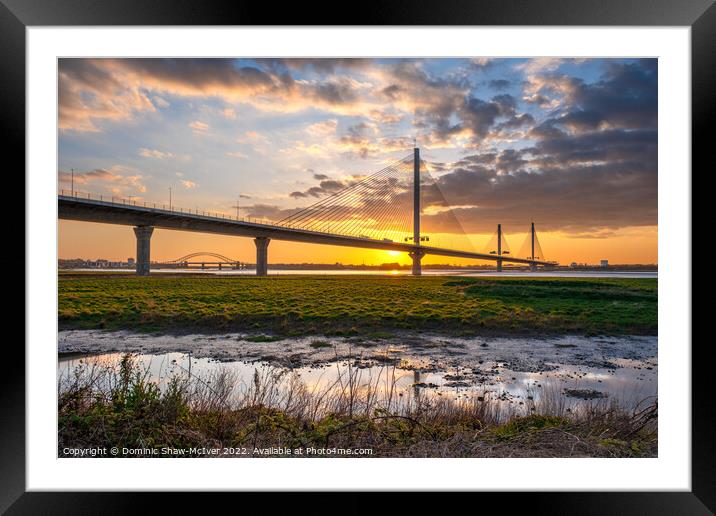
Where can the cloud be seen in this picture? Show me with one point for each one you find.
(160, 102)
(336, 92)
(153, 153)
(320, 64)
(268, 211)
(517, 121)
(381, 93)
(626, 98)
(253, 137)
(88, 94)
(94, 91)
(199, 127)
(325, 186)
(592, 167)
(385, 117)
(118, 180)
(364, 147)
(237, 154)
(323, 128)
(540, 65)
(431, 100)
(195, 77)
(189, 185)
(447, 110)
(499, 84)
(481, 63)
(574, 184)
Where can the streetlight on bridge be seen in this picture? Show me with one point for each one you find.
(237, 206)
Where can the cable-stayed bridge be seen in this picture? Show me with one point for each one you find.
(379, 211)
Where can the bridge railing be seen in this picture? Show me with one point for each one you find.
(128, 201)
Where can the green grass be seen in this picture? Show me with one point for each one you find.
(530, 423)
(365, 305)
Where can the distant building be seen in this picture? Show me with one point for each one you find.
(604, 263)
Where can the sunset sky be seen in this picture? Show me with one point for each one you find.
(570, 144)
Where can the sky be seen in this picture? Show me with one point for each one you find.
(569, 144)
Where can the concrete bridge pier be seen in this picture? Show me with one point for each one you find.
(499, 265)
(144, 236)
(533, 267)
(262, 255)
(417, 255)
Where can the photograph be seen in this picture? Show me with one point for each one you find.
(357, 257)
(441, 248)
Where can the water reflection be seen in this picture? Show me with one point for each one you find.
(628, 382)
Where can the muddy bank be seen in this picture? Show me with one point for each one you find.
(411, 350)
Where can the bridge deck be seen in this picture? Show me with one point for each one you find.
(108, 212)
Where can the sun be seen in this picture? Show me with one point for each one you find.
(394, 253)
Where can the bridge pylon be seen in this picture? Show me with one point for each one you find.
(144, 235)
(533, 265)
(262, 244)
(499, 247)
(416, 254)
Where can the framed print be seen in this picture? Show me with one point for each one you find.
(446, 248)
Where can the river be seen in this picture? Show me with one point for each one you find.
(407, 272)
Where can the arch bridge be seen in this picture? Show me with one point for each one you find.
(189, 262)
(188, 257)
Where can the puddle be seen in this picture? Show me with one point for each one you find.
(516, 371)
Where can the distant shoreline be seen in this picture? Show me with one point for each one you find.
(71, 264)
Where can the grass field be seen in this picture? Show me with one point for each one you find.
(339, 305)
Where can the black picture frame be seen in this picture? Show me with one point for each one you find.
(700, 15)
